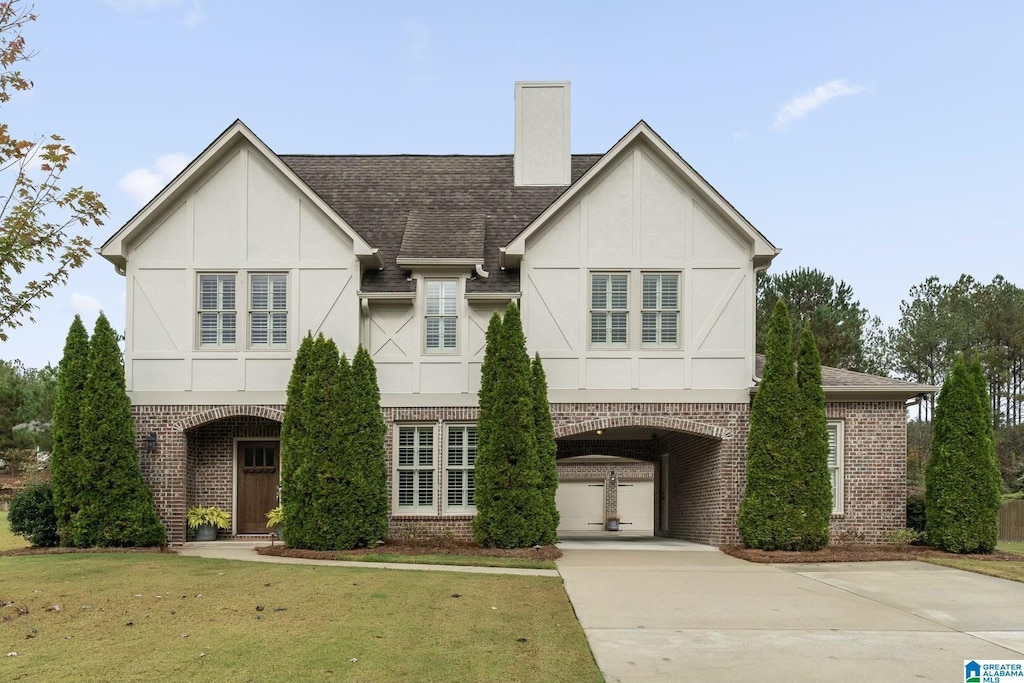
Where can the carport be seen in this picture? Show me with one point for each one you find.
(653, 476)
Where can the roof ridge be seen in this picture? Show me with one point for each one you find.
(418, 156)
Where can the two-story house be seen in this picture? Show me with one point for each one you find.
(635, 277)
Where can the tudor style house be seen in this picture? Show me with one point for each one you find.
(636, 280)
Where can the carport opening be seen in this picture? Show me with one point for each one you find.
(653, 481)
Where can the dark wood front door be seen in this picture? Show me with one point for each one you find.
(258, 476)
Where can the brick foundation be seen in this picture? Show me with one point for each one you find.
(704, 446)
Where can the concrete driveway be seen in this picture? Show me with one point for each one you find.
(678, 616)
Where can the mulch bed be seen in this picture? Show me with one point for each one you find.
(67, 551)
(857, 553)
(546, 552)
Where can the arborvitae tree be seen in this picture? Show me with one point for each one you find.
(510, 501)
(366, 462)
(292, 428)
(116, 507)
(811, 489)
(547, 447)
(301, 525)
(962, 475)
(67, 459)
(764, 519)
(486, 480)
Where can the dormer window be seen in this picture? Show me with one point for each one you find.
(441, 321)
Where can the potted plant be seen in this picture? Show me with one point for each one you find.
(611, 523)
(275, 520)
(206, 521)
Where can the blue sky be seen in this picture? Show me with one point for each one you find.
(880, 142)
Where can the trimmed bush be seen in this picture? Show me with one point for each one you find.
(31, 515)
(116, 507)
(510, 488)
(68, 460)
(962, 476)
(765, 515)
(916, 510)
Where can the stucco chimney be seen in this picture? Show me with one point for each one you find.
(542, 154)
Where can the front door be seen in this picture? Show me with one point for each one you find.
(258, 477)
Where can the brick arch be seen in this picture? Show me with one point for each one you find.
(655, 421)
(221, 412)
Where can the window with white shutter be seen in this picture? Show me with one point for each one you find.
(659, 309)
(217, 315)
(268, 310)
(835, 465)
(609, 309)
(441, 322)
(461, 458)
(415, 469)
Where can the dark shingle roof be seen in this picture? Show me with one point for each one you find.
(429, 234)
(376, 194)
(835, 377)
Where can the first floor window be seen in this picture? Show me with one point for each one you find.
(416, 468)
(268, 309)
(609, 308)
(660, 309)
(216, 309)
(442, 315)
(835, 465)
(462, 443)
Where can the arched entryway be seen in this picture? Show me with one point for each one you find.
(233, 459)
(652, 475)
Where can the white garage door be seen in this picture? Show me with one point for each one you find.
(580, 506)
(636, 506)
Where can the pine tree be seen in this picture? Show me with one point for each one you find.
(116, 507)
(510, 508)
(547, 449)
(293, 440)
(962, 476)
(67, 459)
(486, 475)
(366, 459)
(764, 516)
(811, 490)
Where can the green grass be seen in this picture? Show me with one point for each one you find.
(1014, 571)
(1011, 546)
(9, 541)
(458, 560)
(145, 617)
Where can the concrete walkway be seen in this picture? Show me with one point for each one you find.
(674, 616)
(244, 550)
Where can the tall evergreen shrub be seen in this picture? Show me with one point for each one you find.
(67, 460)
(367, 464)
(765, 514)
(962, 475)
(547, 448)
(116, 507)
(811, 492)
(510, 503)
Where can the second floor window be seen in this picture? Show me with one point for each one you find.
(609, 309)
(268, 309)
(442, 317)
(217, 309)
(660, 309)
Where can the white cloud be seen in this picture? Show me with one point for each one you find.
(802, 105)
(85, 305)
(194, 8)
(143, 183)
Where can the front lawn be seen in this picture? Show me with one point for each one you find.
(1011, 546)
(457, 560)
(9, 541)
(134, 617)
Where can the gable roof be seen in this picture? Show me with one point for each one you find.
(763, 250)
(383, 197)
(114, 249)
(837, 381)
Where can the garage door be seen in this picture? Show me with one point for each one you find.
(580, 506)
(636, 506)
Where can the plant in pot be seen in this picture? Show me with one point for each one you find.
(206, 520)
(611, 523)
(275, 520)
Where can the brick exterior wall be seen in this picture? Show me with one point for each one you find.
(706, 450)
